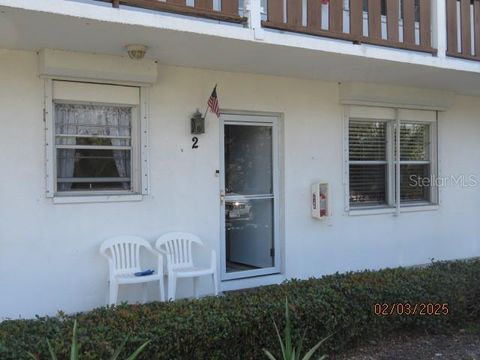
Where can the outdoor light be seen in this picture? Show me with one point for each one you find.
(136, 52)
(197, 123)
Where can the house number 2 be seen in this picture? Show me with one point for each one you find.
(195, 142)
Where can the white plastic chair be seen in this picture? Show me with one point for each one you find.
(123, 254)
(177, 247)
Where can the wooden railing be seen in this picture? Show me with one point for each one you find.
(402, 24)
(463, 29)
(229, 9)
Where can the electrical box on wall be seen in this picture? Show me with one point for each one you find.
(320, 200)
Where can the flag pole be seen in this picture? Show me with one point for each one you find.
(206, 110)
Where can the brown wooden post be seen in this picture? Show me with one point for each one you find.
(230, 7)
(275, 11)
(452, 26)
(335, 16)
(356, 18)
(204, 4)
(116, 3)
(374, 19)
(177, 2)
(294, 12)
(425, 23)
(466, 29)
(409, 22)
(314, 14)
(393, 14)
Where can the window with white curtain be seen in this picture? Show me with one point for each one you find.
(372, 157)
(93, 147)
(96, 141)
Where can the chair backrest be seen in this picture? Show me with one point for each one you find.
(178, 246)
(123, 253)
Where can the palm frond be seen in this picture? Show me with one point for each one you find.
(50, 350)
(138, 351)
(74, 349)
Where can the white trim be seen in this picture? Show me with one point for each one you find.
(144, 144)
(85, 199)
(390, 97)
(94, 179)
(391, 116)
(253, 119)
(49, 139)
(391, 190)
(391, 210)
(139, 138)
(397, 163)
(369, 113)
(94, 136)
(98, 93)
(421, 116)
(94, 147)
(434, 159)
(346, 158)
(97, 68)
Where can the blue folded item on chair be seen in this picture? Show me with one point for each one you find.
(144, 273)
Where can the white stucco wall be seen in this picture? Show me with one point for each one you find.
(49, 253)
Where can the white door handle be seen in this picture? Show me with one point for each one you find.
(222, 196)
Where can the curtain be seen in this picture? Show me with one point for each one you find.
(120, 119)
(65, 119)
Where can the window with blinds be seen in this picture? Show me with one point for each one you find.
(368, 162)
(414, 162)
(372, 145)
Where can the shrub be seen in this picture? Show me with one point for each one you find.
(75, 348)
(235, 326)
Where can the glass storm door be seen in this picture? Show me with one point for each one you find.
(249, 196)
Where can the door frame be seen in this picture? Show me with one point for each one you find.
(254, 119)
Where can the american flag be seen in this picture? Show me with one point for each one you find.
(213, 102)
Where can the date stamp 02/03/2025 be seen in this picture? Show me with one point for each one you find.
(409, 309)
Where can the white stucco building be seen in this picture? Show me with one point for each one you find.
(95, 144)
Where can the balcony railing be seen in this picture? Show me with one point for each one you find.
(402, 24)
(228, 10)
(463, 29)
(417, 25)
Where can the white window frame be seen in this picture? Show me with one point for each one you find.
(392, 116)
(139, 154)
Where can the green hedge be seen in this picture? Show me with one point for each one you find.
(238, 325)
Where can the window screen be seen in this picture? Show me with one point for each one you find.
(93, 147)
(368, 162)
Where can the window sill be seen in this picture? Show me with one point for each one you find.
(383, 211)
(84, 199)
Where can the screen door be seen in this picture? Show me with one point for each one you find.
(249, 196)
